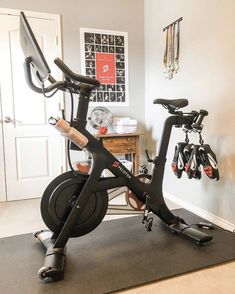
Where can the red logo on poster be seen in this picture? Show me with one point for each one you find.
(105, 68)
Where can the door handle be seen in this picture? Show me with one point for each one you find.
(8, 120)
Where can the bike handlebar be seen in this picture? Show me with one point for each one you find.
(73, 76)
(63, 85)
(198, 124)
(28, 76)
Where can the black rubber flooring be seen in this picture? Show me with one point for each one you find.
(119, 254)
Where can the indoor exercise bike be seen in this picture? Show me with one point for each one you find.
(74, 204)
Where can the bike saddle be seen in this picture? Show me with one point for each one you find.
(209, 161)
(179, 159)
(192, 166)
(171, 104)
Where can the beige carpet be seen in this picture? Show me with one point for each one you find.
(214, 280)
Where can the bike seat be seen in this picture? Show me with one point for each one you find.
(171, 103)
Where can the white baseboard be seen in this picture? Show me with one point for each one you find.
(202, 213)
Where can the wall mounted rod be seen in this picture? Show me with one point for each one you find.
(178, 20)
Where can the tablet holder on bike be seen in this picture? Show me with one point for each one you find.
(62, 228)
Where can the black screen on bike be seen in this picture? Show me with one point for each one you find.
(31, 49)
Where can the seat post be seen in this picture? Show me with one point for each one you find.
(169, 122)
(177, 120)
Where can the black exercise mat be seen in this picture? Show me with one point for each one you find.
(117, 255)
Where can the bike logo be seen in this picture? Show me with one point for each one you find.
(116, 164)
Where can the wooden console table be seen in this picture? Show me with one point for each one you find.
(127, 144)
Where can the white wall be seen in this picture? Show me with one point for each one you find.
(207, 80)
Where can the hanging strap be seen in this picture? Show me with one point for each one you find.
(170, 55)
(165, 59)
(176, 46)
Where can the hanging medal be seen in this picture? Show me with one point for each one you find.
(177, 46)
(170, 55)
(165, 58)
(172, 47)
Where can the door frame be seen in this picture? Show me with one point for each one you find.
(2, 158)
(38, 15)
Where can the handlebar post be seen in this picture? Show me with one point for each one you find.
(82, 110)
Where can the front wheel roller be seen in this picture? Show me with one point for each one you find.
(42, 273)
(47, 273)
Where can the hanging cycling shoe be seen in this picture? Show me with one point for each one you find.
(187, 151)
(179, 159)
(192, 166)
(209, 161)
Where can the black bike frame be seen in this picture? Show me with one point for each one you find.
(103, 159)
(149, 193)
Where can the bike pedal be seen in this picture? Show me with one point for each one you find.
(148, 224)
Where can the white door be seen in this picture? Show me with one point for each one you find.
(32, 148)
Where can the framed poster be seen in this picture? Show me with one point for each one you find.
(104, 57)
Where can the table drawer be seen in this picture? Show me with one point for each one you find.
(120, 145)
